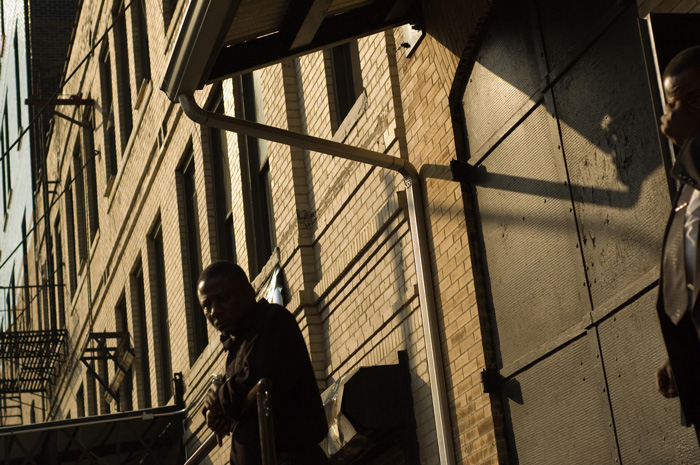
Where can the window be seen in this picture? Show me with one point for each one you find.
(125, 388)
(103, 373)
(91, 177)
(80, 401)
(138, 304)
(91, 392)
(122, 72)
(159, 305)
(45, 322)
(79, 202)
(344, 80)
(72, 252)
(60, 269)
(25, 272)
(6, 165)
(168, 10)
(256, 177)
(142, 59)
(222, 184)
(110, 141)
(198, 335)
(17, 83)
(11, 307)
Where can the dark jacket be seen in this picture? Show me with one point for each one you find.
(272, 346)
(680, 329)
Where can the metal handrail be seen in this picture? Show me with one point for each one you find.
(259, 395)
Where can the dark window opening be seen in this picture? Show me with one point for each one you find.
(345, 83)
(256, 179)
(72, 252)
(138, 296)
(161, 334)
(109, 134)
(199, 336)
(222, 184)
(123, 76)
(60, 269)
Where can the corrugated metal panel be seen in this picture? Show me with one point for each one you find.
(557, 412)
(529, 236)
(648, 425)
(566, 24)
(504, 77)
(256, 18)
(343, 5)
(612, 152)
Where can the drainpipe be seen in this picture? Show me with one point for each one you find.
(419, 237)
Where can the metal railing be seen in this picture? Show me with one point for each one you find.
(260, 396)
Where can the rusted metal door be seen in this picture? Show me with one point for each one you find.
(571, 197)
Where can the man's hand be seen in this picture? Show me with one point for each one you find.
(216, 419)
(664, 380)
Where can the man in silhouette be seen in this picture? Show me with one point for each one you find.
(678, 304)
(262, 340)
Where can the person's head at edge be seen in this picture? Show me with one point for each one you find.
(681, 81)
(226, 296)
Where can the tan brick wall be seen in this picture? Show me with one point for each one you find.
(342, 232)
(426, 80)
(341, 227)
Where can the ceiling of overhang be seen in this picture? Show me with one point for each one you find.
(264, 32)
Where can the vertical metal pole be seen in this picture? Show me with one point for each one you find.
(265, 423)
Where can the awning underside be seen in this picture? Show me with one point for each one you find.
(222, 38)
(265, 32)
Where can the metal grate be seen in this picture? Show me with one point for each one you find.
(28, 359)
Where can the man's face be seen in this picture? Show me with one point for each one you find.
(682, 117)
(225, 303)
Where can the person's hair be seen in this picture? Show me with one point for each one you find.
(683, 61)
(229, 269)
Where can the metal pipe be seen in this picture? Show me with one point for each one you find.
(259, 394)
(266, 423)
(419, 237)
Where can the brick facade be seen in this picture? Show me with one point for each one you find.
(341, 228)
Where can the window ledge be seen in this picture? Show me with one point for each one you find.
(358, 109)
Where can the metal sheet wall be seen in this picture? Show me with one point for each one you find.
(572, 196)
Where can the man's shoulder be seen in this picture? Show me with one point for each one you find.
(276, 314)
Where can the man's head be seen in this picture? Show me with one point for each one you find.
(681, 80)
(226, 296)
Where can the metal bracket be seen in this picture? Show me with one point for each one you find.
(491, 381)
(461, 171)
(122, 355)
(73, 100)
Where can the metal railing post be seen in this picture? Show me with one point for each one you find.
(260, 395)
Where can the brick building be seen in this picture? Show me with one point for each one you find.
(532, 127)
(34, 39)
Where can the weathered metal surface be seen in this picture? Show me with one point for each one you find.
(647, 425)
(566, 25)
(504, 78)
(572, 200)
(554, 411)
(611, 148)
(529, 236)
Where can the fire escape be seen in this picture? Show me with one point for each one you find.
(28, 362)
